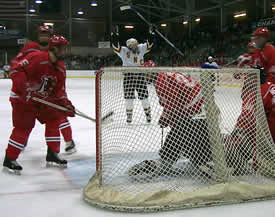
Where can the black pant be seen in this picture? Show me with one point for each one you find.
(132, 82)
(188, 137)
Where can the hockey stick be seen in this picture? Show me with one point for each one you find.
(128, 7)
(77, 112)
(230, 63)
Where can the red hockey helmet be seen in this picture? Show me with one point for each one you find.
(57, 40)
(251, 44)
(44, 29)
(149, 63)
(262, 31)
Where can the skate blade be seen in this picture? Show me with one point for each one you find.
(11, 171)
(53, 164)
(71, 151)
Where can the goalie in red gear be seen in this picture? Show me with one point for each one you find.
(40, 74)
(44, 34)
(181, 99)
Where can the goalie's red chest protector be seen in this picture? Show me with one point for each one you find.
(179, 94)
(37, 73)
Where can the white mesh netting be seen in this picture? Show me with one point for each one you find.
(214, 146)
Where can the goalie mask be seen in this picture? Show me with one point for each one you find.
(132, 44)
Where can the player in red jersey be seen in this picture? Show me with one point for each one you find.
(44, 34)
(241, 143)
(265, 52)
(181, 99)
(268, 96)
(247, 59)
(40, 74)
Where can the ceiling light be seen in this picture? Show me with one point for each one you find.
(185, 22)
(32, 10)
(80, 12)
(93, 4)
(198, 20)
(163, 25)
(240, 14)
(128, 27)
(49, 24)
(38, 1)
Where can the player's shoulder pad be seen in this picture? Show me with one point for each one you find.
(31, 47)
(40, 56)
(32, 44)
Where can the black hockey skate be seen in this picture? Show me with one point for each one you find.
(12, 166)
(148, 117)
(129, 118)
(70, 147)
(54, 160)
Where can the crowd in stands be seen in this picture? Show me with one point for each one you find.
(224, 47)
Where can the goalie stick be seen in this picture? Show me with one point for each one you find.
(128, 7)
(77, 112)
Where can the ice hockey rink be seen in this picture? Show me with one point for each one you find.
(55, 192)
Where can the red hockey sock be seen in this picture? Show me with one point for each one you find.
(66, 130)
(52, 136)
(17, 142)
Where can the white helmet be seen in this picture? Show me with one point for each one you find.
(210, 58)
(131, 42)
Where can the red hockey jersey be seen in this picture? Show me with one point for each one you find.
(27, 49)
(268, 96)
(267, 60)
(178, 94)
(36, 73)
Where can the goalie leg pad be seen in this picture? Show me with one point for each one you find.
(238, 150)
(144, 167)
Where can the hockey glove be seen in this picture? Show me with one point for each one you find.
(68, 104)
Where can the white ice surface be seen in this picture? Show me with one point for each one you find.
(52, 192)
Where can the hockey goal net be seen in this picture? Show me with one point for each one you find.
(221, 153)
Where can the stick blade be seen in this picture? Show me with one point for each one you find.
(125, 7)
(109, 114)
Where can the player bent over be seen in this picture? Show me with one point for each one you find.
(132, 55)
(181, 99)
(39, 74)
(44, 33)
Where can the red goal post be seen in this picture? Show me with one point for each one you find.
(234, 141)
